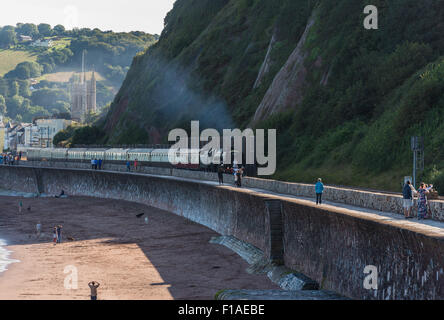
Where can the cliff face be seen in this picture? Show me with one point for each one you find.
(344, 99)
(287, 87)
(213, 62)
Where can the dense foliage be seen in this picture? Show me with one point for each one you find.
(364, 95)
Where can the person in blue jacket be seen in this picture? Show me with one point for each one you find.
(319, 188)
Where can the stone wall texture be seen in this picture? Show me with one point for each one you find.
(331, 246)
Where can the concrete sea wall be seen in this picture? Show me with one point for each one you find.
(331, 246)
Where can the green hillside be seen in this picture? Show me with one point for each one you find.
(35, 80)
(345, 100)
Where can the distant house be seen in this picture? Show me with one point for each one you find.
(43, 43)
(25, 38)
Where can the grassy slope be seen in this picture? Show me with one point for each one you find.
(9, 59)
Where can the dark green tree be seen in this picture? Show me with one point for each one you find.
(45, 29)
(28, 29)
(59, 30)
(7, 38)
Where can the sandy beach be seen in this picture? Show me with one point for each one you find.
(168, 258)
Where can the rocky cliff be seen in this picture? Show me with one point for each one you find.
(345, 100)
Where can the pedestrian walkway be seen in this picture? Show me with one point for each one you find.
(429, 227)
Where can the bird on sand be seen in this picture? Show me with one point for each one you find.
(140, 215)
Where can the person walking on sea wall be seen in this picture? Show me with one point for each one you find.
(407, 194)
(319, 189)
(422, 201)
(128, 166)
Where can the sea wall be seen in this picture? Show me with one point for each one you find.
(372, 200)
(331, 246)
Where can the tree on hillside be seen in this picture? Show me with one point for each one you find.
(28, 29)
(45, 29)
(25, 70)
(14, 89)
(2, 105)
(7, 37)
(59, 30)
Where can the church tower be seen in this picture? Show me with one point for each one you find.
(83, 95)
(92, 94)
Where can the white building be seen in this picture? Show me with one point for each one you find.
(25, 38)
(47, 129)
(42, 43)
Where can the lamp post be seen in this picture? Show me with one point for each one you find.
(417, 146)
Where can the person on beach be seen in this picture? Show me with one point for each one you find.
(59, 234)
(407, 194)
(54, 236)
(319, 189)
(20, 207)
(38, 229)
(93, 285)
(422, 201)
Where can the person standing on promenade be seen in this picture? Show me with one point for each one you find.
(136, 163)
(407, 194)
(319, 189)
(93, 285)
(128, 166)
(100, 164)
(422, 201)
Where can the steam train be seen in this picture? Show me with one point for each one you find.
(192, 159)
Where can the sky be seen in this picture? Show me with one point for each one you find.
(115, 15)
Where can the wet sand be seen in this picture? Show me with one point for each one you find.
(168, 258)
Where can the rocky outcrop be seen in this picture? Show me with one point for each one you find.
(266, 65)
(287, 87)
